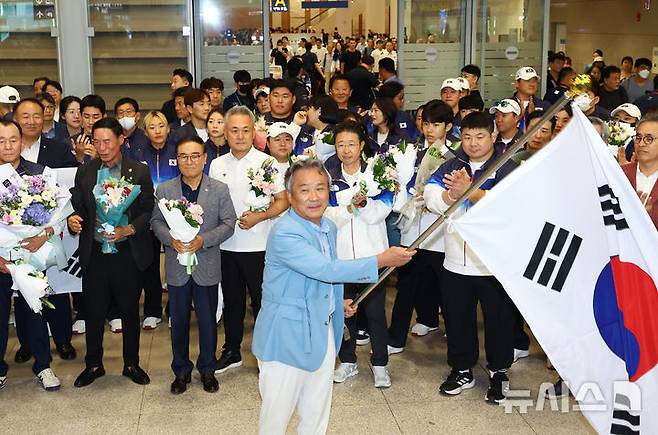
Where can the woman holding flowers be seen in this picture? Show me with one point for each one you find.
(202, 208)
(361, 224)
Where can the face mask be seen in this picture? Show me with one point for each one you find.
(244, 89)
(127, 122)
(644, 74)
(583, 102)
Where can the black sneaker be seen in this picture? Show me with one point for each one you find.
(458, 380)
(362, 338)
(498, 387)
(229, 359)
(558, 391)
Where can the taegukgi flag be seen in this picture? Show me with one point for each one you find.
(572, 244)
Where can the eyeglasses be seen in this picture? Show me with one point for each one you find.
(129, 112)
(646, 138)
(349, 146)
(189, 157)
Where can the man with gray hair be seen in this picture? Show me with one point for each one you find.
(243, 254)
(300, 326)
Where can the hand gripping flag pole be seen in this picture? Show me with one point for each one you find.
(581, 85)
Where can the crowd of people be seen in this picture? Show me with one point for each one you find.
(339, 104)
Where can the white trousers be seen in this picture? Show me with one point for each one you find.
(284, 388)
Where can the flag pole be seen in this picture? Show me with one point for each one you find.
(581, 85)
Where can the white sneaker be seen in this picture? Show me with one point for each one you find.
(344, 371)
(48, 380)
(420, 330)
(115, 326)
(362, 338)
(169, 323)
(382, 376)
(393, 350)
(151, 323)
(3, 382)
(79, 327)
(519, 353)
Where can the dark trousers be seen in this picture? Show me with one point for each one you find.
(78, 305)
(521, 339)
(460, 296)
(418, 286)
(205, 307)
(107, 277)
(240, 270)
(59, 320)
(374, 307)
(152, 284)
(33, 327)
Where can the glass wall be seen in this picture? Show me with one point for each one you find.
(231, 33)
(27, 49)
(434, 51)
(136, 45)
(509, 36)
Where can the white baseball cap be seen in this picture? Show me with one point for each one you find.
(466, 86)
(452, 83)
(526, 73)
(265, 90)
(597, 59)
(506, 106)
(629, 108)
(9, 95)
(281, 127)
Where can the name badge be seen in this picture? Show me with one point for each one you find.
(334, 188)
(304, 139)
(145, 162)
(403, 125)
(172, 162)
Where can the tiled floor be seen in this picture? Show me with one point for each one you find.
(412, 405)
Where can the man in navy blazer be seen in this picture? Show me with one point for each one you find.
(300, 324)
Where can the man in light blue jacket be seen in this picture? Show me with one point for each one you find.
(299, 328)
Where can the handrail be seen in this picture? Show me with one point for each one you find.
(310, 22)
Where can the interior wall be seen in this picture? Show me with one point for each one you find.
(611, 25)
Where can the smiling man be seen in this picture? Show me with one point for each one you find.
(301, 321)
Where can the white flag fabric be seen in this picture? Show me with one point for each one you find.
(568, 238)
(69, 279)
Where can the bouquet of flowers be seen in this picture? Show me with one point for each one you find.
(620, 135)
(378, 181)
(184, 219)
(113, 197)
(262, 184)
(404, 156)
(32, 284)
(260, 136)
(28, 205)
(325, 146)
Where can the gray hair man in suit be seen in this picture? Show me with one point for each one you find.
(202, 285)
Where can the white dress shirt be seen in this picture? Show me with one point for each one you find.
(645, 183)
(31, 153)
(233, 172)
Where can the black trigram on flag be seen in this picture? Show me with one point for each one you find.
(73, 266)
(623, 422)
(612, 214)
(560, 255)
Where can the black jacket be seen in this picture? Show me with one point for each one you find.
(56, 154)
(139, 212)
(362, 82)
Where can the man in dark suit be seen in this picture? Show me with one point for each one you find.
(36, 148)
(362, 82)
(180, 78)
(30, 325)
(112, 276)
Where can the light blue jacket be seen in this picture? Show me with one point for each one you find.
(291, 327)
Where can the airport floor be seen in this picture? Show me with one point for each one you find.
(412, 405)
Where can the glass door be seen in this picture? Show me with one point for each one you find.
(27, 48)
(135, 47)
(434, 47)
(509, 36)
(231, 38)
